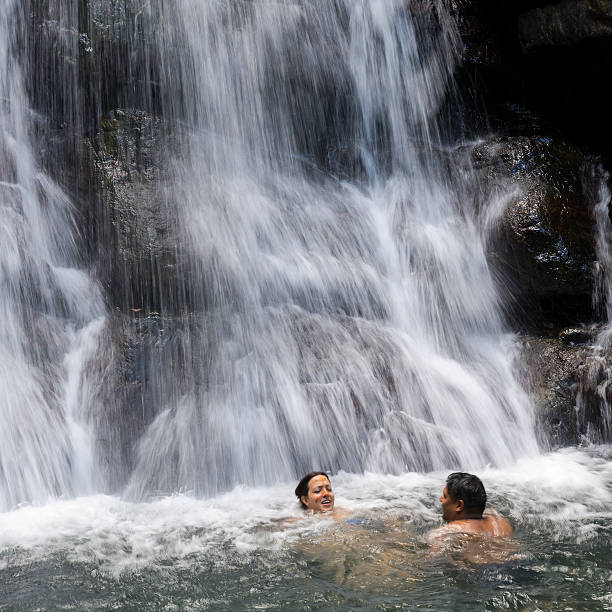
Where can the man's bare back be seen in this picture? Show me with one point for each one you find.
(489, 524)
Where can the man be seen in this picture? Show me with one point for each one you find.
(463, 502)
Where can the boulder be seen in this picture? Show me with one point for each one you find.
(551, 377)
(569, 381)
(565, 23)
(542, 248)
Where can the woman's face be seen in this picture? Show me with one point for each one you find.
(320, 495)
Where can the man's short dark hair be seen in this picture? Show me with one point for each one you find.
(469, 488)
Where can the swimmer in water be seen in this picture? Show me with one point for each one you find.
(315, 493)
(463, 502)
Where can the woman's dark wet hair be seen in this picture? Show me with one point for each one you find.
(469, 488)
(302, 488)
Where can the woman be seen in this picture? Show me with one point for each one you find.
(315, 493)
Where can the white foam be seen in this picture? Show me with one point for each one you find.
(568, 491)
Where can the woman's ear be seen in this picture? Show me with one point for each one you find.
(304, 500)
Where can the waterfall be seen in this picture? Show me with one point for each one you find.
(351, 321)
(51, 312)
(241, 240)
(341, 310)
(594, 395)
(603, 289)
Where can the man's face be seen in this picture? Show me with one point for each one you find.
(449, 507)
(320, 496)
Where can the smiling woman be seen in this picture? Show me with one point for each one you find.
(315, 492)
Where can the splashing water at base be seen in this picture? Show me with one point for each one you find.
(238, 550)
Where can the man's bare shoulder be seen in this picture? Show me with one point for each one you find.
(490, 524)
(497, 525)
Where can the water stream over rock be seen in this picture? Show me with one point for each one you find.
(351, 319)
(51, 311)
(244, 239)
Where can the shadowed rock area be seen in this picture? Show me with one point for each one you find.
(551, 58)
(565, 23)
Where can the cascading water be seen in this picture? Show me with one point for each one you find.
(50, 311)
(336, 312)
(594, 395)
(351, 318)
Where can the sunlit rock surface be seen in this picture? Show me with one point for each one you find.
(544, 247)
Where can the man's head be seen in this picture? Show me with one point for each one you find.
(464, 497)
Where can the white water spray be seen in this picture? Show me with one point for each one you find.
(353, 319)
(46, 307)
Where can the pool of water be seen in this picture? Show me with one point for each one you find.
(253, 549)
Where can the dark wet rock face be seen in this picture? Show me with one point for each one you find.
(90, 56)
(119, 59)
(543, 247)
(565, 23)
(139, 258)
(551, 368)
(481, 44)
(552, 58)
(533, 68)
(594, 398)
